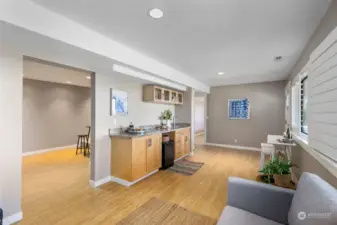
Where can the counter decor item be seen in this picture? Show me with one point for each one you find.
(167, 117)
(135, 130)
(119, 102)
(277, 171)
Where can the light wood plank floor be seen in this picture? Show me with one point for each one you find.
(56, 189)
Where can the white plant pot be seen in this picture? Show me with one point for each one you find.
(168, 123)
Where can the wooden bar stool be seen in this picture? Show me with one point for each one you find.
(83, 143)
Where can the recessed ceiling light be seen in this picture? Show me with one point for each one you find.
(221, 73)
(278, 58)
(89, 77)
(156, 13)
(68, 82)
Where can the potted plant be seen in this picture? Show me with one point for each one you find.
(279, 171)
(167, 116)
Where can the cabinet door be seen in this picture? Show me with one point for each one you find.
(153, 149)
(179, 145)
(157, 151)
(139, 158)
(187, 141)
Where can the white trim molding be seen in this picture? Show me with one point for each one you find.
(100, 182)
(128, 183)
(234, 147)
(327, 163)
(13, 218)
(48, 150)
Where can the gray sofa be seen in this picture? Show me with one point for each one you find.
(251, 203)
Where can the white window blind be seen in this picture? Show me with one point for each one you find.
(322, 101)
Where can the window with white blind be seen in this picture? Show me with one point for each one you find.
(317, 101)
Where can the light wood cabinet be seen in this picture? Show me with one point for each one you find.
(138, 158)
(187, 140)
(182, 142)
(156, 94)
(134, 158)
(153, 152)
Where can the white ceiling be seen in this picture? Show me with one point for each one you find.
(51, 72)
(201, 38)
(37, 69)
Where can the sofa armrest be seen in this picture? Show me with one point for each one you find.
(265, 200)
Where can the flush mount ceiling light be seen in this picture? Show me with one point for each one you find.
(221, 73)
(156, 13)
(89, 77)
(68, 82)
(278, 58)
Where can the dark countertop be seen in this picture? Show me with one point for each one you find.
(149, 131)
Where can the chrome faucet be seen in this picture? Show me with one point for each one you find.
(174, 121)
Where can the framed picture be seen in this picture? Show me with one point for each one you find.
(119, 102)
(238, 109)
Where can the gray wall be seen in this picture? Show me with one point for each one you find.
(53, 114)
(139, 113)
(10, 130)
(302, 158)
(267, 105)
(328, 23)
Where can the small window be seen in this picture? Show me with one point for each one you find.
(304, 105)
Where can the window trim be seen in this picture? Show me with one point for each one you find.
(302, 133)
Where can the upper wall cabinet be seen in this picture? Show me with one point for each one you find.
(156, 94)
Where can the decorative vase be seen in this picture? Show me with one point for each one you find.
(282, 180)
(168, 123)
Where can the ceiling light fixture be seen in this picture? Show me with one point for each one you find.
(89, 77)
(156, 13)
(278, 58)
(221, 73)
(68, 82)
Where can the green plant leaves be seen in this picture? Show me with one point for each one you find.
(277, 166)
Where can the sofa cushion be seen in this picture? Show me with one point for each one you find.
(314, 202)
(235, 216)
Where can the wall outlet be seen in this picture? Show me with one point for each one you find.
(236, 140)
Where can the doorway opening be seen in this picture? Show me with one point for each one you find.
(56, 129)
(200, 118)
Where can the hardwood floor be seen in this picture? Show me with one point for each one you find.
(56, 188)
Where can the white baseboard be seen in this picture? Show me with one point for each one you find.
(48, 150)
(181, 157)
(234, 147)
(100, 182)
(128, 183)
(199, 133)
(13, 218)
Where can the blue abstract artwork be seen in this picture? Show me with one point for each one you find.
(238, 109)
(119, 102)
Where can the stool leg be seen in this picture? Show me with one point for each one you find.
(262, 160)
(81, 144)
(78, 141)
(85, 147)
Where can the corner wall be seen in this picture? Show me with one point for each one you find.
(53, 114)
(10, 132)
